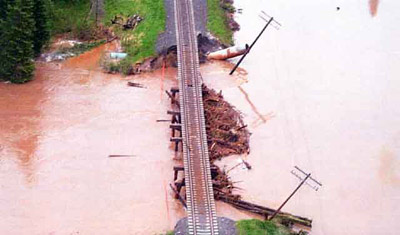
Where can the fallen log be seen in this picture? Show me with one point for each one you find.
(261, 210)
(115, 156)
(134, 84)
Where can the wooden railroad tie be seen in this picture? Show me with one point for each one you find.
(178, 184)
(174, 90)
(176, 170)
(176, 116)
(176, 127)
(177, 140)
(172, 95)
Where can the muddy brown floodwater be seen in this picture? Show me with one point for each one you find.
(323, 93)
(56, 134)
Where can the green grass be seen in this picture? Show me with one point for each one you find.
(258, 227)
(218, 23)
(68, 16)
(72, 17)
(138, 43)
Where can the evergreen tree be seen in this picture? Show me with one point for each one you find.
(4, 4)
(41, 34)
(17, 48)
(3, 8)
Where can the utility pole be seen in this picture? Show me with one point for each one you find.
(259, 35)
(303, 181)
(251, 46)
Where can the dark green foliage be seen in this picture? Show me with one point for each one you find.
(3, 15)
(17, 47)
(41, 34)
(3, 8)
(69, 16)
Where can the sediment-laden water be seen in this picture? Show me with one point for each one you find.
(323, 94)
(56, 135)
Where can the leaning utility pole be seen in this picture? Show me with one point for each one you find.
(303, 181)
(259, 35)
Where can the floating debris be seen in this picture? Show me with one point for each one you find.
(115, 156)
(226, 132)
(134, 84)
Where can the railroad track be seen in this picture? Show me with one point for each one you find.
(202, 217)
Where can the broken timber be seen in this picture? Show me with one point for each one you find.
(236, 202)
(264, 211)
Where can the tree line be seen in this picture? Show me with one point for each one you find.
(24, 31)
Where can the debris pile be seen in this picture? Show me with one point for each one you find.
(227, 135)
(129, 23)
(226, 132)
(222, 185)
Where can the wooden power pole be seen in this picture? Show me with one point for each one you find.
(303, 181)
(258, 37)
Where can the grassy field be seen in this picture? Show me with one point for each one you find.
(73, 17)
(140, 42)
(218, 23)
(68, 16)
(258, 227)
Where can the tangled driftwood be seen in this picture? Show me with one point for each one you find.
(129, 23)
(226, 132)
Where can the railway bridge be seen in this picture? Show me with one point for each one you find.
(202, 218)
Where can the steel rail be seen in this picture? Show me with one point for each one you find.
(202, 217)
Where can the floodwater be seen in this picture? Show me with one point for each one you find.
(323, 94)
(56, 135)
